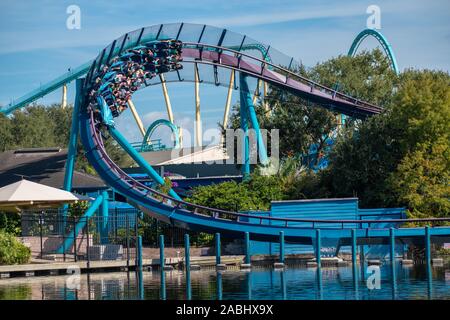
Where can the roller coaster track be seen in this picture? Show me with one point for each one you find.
(387, 48)
(233, 224)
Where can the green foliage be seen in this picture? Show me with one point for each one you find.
(10, 223)
(422, 181)
(399, 158)
(78, 209)
(12, 251)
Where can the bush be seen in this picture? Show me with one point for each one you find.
(12, 251)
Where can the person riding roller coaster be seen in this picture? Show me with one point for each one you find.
(117, 81)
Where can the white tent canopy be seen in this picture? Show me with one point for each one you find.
(26, 194)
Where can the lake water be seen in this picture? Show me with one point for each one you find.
(261, 283)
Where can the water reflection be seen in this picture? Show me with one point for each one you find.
(292, 283)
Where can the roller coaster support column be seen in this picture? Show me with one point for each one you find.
(72, 148)
(280, 264)
(139, 160)
(318, 246)
(245, 143)
(219, 264)
(392, 253)
(354, 266)
(104, 218)
(64, 97)
(69, 239)
(72, 152)
(166, 97)
(139, 254)
(162, 259)
(198, 120)
(136, 117)
(228, 103)
(187, 253)
(428, 254)
(247, 260)
(187, 266)
(246, 101)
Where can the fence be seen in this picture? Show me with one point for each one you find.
(52, 236)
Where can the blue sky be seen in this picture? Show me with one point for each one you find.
(36, 46)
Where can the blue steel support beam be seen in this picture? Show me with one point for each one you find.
(244, 127)
(218, 260)
(72, 152)
(104, 218)
(247, 248)
(219, 285)
(428, 252)
(162, 259)
(80, 225)
(318, 246)
(247, 103)
(354, 270)
(187, 253)
(392, 253)
(139, 253)
(140, 160)
(187, 266)
(281, 246)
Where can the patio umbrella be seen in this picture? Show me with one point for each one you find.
(25, 194)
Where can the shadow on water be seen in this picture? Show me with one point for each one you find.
(261, 283)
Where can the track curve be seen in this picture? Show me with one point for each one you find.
(200, 218)
(381, 40)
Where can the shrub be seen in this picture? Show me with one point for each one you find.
(12, 251)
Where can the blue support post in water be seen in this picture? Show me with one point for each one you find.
(139, 253)
(187, 254)
(354, 266)
(283, 285)
(218, 260)
(247, 103)
(281, 247)
(187, 266)
(247, 248)
(428, 259)
(318, 247)
(219, 285)
(140, 160)
(140, 278)
(162, 259)
(392, 253)
(104, 218)
(244, 126)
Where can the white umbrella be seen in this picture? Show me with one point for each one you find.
(26, 194)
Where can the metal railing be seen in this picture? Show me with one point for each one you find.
(53, 236)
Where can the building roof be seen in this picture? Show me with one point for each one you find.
(42, 165)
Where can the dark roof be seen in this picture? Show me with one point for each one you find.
(42, 165)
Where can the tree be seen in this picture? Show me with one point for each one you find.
(400, 157)
(422, 180)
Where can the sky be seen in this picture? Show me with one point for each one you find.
(36, 46)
